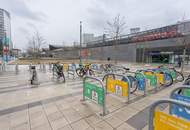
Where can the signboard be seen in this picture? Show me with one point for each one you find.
(94, 92)
(178, 110)
(163, 121)
(118, 87)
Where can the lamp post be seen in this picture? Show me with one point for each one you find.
(80, 42)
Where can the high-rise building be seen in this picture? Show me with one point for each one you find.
(5, 32)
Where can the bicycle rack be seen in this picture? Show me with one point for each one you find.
(179, 111)
(117, 86)
(162, 121)
(151, 80)
(71, 70)
(140, 83)
(95, 93)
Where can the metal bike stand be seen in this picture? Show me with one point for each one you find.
(156, 87)
(71, 70)
(184, 87)
(154, 105)
(145, 89)
(104, 112)
(129, 83)
(145, 92)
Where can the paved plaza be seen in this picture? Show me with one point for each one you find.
(58, 106)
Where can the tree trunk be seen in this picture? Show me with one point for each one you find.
(183, 60)
(115, 57)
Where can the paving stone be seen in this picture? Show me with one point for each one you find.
(4, 123)
(67, 127)
(80, 125)
(102, 126)
(24, 126)
(36, 114)
(35, 109)
(114, 121)
(59, 123)
(38, 121)
(125, 126)
(125, 114)
(71, 115)
(55, 116)
(42, 127)
(94, 119)
(19, 120)
(51, 109)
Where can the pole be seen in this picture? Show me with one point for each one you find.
(80, 42)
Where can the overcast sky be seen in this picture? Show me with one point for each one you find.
(58, 20)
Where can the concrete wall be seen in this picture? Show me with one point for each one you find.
(123, 52)
(120, 52)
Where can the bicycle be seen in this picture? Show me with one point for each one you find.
(58, 71)
(84, 70)
(34, 79)
(176, 75)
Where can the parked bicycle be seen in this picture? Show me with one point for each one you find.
(176, 75)
(34, 78)
(84, 70)
(58, 71)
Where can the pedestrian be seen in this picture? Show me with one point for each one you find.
(179, 62)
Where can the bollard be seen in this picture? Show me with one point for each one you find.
(16, 67)
(40, 67)
(3, 67)
(44, 67)
(34, 77)
(30, 65)
(50, 66)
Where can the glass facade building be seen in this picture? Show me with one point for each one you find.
(5, 33)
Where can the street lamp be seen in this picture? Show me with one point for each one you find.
(80, 42)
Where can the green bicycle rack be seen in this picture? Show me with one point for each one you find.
(94, 92)
(151, 76)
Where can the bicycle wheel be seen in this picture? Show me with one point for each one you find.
(80, 72)
(169, 80)
(134, 84)
(179, 77)
(187, 81)
(63, 77)
(108, 76)
(91, 72)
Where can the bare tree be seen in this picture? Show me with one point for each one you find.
(185, 42)
(115, 29)
(35, 44)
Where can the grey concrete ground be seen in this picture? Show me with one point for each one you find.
(58, 106)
